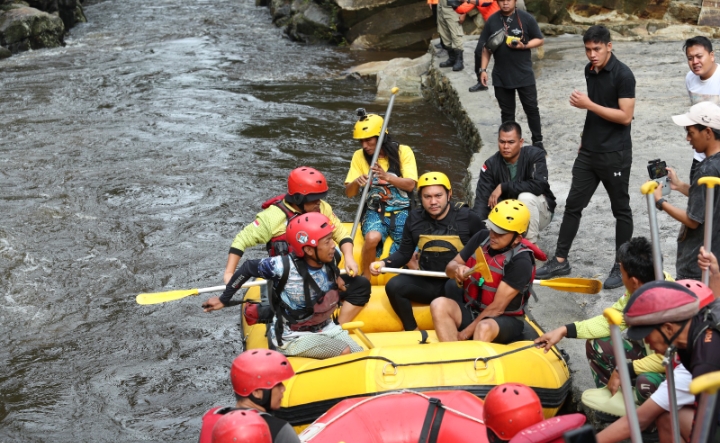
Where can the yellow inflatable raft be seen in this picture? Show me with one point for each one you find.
(403, 360)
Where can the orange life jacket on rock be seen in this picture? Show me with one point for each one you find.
(486, 8)
(480, 297)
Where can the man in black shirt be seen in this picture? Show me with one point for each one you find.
(702, 124)
(490, 307)
(518, 172)
(668, 314)
(605, 154)
(513, 66)
(437, 230)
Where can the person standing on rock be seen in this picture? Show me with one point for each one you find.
(513, 65)
(517, 172)
(605, 153)
(451, 34)
(703, 80)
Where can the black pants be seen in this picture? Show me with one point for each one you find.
(528, 99)
(357, 290)
(511, 327)
(612, 169)
(404, 289)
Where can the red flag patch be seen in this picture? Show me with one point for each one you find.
(256, 223)
(484, 168)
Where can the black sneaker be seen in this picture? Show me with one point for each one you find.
(553, 268)
(478, 87)
(614, 280)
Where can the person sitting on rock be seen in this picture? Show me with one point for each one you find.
(518, 172)
(491, 311)
(438, 230)
(308, 288)
(307, 187)
(257, 378)
(394, 179)
(636, 268)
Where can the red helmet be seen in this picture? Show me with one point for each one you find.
(307, 230)
(511, 407)
(259, 369)
(243, 425)
(703, 292)
(305, 185)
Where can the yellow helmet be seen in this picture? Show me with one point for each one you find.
(369, 125)
(509, 216)
(434, 178)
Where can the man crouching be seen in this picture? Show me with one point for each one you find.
(492, 311)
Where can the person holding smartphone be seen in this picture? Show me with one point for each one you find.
(702, 126)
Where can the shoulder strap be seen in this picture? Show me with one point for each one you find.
(284, 278)
(288, 213)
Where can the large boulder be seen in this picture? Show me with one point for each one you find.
(391, 42)
(4, 52)
(308, 22)
(574, 11)
(23, 28)
(404, 73)
(388, 20)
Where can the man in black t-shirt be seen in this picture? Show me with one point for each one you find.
(481, 309)
(702, 124)
(513, 66)
(437, 231)
(605, 154)
(668, 314)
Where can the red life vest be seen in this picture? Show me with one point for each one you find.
(481, 297)
(278, 245)
(208, 422)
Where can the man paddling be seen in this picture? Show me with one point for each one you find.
(491, 310)
(257, 379)
(306, 190)
(308, 288)
(438, 230)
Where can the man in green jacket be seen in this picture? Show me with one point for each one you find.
(636, 268)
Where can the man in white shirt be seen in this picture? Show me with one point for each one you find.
(703, 80)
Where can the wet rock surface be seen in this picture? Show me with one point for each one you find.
(659, 69)
(23, 28)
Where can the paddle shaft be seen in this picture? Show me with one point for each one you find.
(222, 288)
(670, 377)
(627, 387)
(556, 285)
(709, 203)
(376, 154)
(655, 237)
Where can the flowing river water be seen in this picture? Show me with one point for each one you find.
(129, 159)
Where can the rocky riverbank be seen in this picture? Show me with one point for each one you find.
(35, 24)
(659, 69)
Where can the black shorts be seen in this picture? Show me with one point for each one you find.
(358, 290)
(511, 327)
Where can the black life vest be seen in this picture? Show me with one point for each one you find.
(438, 246)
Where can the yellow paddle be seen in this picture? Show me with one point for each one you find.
(567, 284)
(162, 297)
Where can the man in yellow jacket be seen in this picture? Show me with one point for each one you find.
(306, 189)
(646, 369)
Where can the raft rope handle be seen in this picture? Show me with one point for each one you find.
(397, 365)
(404, 391)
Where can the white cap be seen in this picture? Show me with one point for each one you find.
(704, 113)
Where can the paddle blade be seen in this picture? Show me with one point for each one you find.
(162, 297)
(580, 285)
(481, 266)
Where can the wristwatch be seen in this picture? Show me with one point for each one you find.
(658, 204)
(482, 70)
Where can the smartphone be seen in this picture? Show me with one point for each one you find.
(657, 169)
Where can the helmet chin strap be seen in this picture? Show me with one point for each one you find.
(670, 341)
(263, 401)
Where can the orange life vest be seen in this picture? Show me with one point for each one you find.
(480, 297)
(486, 8)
